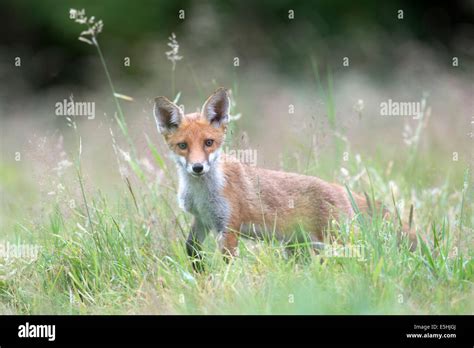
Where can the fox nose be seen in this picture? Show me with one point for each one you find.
(197, 168)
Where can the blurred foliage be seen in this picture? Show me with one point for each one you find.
(245, 25)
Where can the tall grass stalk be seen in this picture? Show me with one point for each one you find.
(327, 95)
(90, 36)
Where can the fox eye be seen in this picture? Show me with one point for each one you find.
(182, 146)
(209, 142)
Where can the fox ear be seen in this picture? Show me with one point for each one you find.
(216, 108)
(167, 114)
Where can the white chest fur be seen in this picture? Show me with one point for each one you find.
(202, 197)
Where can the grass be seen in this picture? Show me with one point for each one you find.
(124, 270)
(124, 253)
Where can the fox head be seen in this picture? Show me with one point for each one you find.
(194, 139)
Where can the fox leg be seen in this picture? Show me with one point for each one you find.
(228, 241)
(194, 243)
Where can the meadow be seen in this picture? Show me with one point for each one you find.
(119, 248)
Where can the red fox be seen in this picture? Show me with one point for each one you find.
(236, 199)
